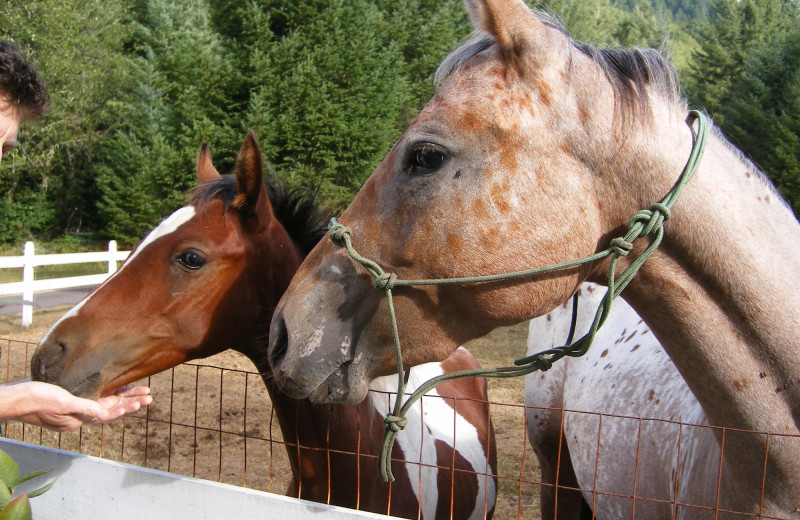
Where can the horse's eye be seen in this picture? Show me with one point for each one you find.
(191, 260)
(427, 159)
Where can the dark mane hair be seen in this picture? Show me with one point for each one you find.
(630, 71)
(296, 209)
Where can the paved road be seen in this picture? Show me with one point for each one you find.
(43, 300)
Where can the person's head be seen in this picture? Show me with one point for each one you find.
(22, 94)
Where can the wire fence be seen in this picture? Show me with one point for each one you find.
(217, 423)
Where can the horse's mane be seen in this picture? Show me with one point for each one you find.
(296, 209)
(630, 71)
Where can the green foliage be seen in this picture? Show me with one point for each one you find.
(11, 507)
(602, 22)
(327, 85)
(733, 32)
(176, 97)
(76, 45)
(310, 106)
(744, 73)
(763, 114)
(335, 82)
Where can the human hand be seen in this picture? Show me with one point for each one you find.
(51, 406)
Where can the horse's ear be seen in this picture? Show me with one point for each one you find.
(526, 43)
(205, 169)
(252, 199)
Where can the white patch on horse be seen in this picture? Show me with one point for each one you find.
(313, 342)
(167, 226)
(345, 348)
(436, 422)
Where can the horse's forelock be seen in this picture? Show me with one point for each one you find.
(295, 209)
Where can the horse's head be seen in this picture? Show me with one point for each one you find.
(207, 278)
(507, 168)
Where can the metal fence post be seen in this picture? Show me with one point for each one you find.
(27, 285)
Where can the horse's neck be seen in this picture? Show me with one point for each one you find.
(722, 294)
(308, 431)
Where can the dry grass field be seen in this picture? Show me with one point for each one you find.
(212, 419)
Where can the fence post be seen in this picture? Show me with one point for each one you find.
(112, 261)
(27, 285)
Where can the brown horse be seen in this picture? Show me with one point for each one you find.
(537, 150)
(209, 278)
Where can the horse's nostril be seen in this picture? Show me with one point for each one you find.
(46, 361)
(279, 343)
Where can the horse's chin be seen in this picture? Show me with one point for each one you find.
(344, 385)
(88, 388)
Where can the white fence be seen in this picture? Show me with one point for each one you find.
(30, 285)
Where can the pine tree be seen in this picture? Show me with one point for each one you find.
(178, 81)
(327, 94)
(77, 46)
(734, 29)
(762, 115)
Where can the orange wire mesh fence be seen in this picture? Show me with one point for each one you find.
(216, 422)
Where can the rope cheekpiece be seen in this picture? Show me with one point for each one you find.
(644, 223)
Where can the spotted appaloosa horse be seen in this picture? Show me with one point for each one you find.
(623, 418)
(208, 278)
(537, 150)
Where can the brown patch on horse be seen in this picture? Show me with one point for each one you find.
(461, 480)
(479, 209)
(499, 198)
(454, 244)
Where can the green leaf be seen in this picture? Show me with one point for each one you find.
(9, 470)
(5, 496)
(30, 476)
(17, 509)
(42, 490)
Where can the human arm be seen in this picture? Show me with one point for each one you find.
(51, 406)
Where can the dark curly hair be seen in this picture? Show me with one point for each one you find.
(20, 85)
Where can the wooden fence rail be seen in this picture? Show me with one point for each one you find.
(30, 285)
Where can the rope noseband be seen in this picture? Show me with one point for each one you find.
(648, 222)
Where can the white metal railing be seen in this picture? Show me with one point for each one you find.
(29, 285)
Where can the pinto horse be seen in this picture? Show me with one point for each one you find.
(208, 278)
(534, 151)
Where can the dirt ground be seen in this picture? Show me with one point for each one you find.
(212, 419)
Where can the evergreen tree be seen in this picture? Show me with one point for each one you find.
(328, 93)
(425, 32)
(734, 29)
(76, 46)
(604, 23)
(178, 90)
(763, 112)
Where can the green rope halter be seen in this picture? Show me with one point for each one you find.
(647, 222)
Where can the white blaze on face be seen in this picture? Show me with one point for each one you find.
(432, 420)
(167, 226)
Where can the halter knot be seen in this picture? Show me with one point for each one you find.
(394, 423)
(542, 363)
(651, 218)
(338, 232)
(385, 281)
(621, 246)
